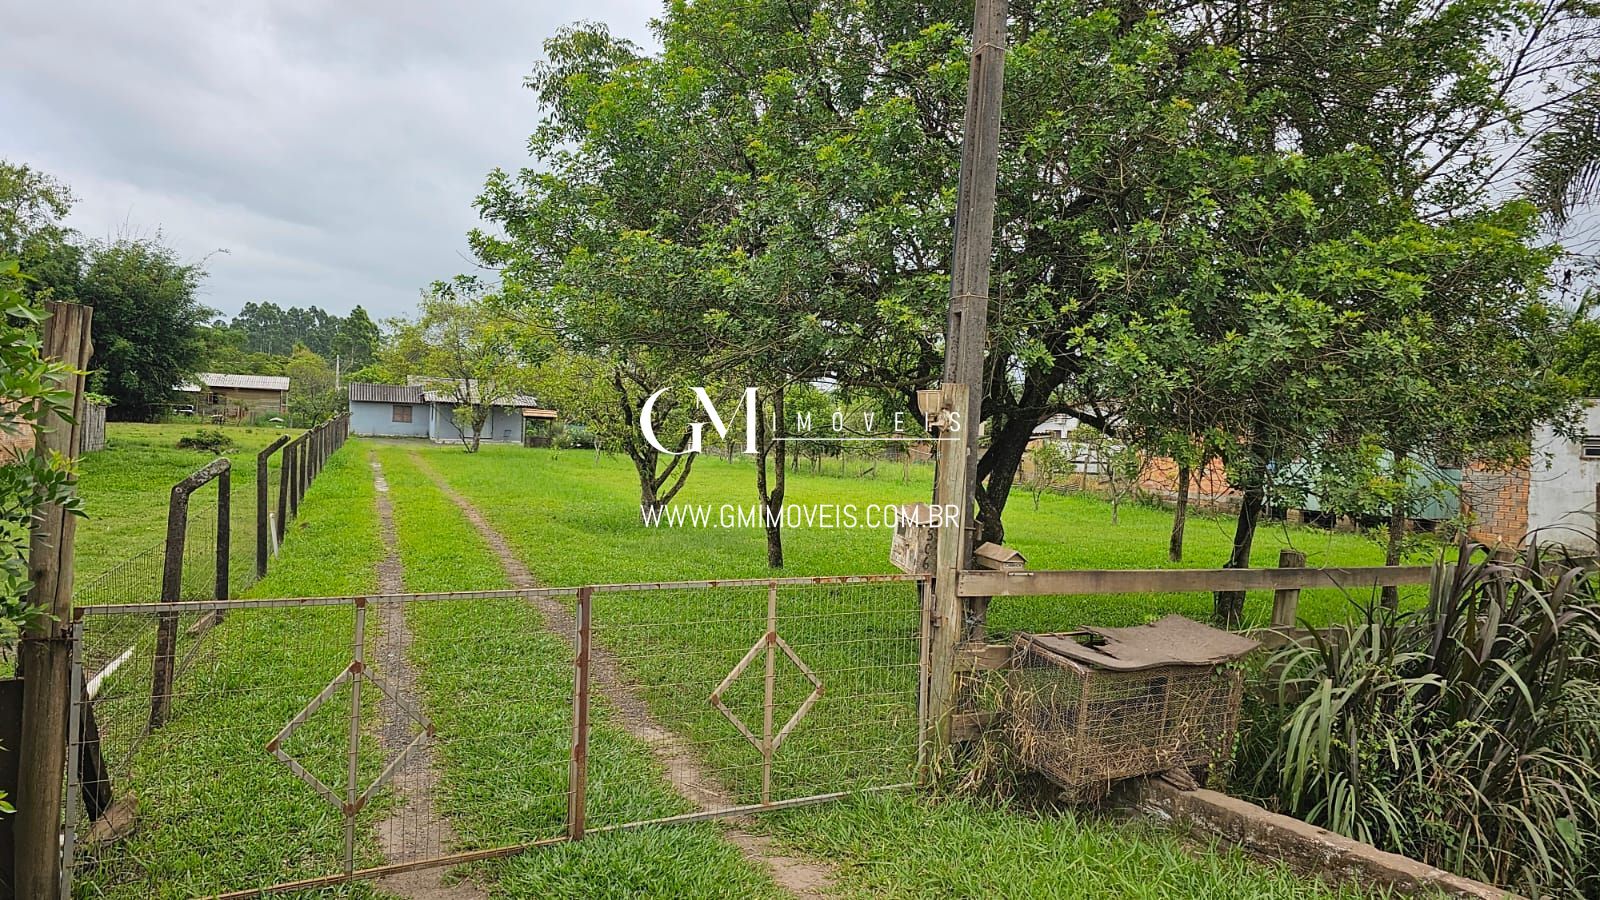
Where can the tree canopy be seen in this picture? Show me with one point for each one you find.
(1203, 235)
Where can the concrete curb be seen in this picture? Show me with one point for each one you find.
(1303, 846)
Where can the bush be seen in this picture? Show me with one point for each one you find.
(210, 440)
(1465, 734)
(29, 478)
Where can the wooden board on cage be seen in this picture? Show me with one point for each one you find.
(1091, 707)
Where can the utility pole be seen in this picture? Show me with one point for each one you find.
(45, 652)
(965, 337)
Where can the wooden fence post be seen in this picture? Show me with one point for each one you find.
(224, 533)
(262, 489)
(1286, 602)
(947, 617)
(165, 657)
(45, 653)
(301, 481)
(288, 503)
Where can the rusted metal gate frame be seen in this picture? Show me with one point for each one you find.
(577, 779)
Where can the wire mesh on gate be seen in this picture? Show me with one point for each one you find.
(462, 743)
(670, 652)
(202, 804)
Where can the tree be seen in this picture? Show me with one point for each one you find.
(1050, 463)
(469, 352)
(29, 479)
(1178, 172)
(313, 397)
(32, 207)
(1120, 464)
(357, 339)
(146, 322)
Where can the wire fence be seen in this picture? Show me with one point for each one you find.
(309, 742)
(256, 521)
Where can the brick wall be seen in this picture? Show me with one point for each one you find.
(1208, 488)
(1495, 502)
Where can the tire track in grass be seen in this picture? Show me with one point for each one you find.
(416, 819)
(799, 877)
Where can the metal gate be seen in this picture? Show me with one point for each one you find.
(247, 746)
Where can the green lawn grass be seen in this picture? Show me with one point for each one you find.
(573, 519)
(126, 488)
(498, 685)
(215, 811)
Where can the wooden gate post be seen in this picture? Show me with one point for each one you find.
(947, 613)
(45, 654)
(262, 488)
(966, 336)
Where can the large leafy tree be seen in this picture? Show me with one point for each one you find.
(1184, 189)
(32, 207)
(146, 322)
(313, 397)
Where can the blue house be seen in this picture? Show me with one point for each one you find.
(420, 410)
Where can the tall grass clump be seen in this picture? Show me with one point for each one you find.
(1465, 734)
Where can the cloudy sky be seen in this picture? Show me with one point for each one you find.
(330, 150)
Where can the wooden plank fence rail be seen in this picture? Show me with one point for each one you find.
(1024, 583)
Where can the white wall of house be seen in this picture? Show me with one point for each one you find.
(504, 425)
(1561, 484)
(372, 418)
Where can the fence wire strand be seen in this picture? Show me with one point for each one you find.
(466, 717)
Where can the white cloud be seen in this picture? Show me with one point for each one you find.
(332, 149)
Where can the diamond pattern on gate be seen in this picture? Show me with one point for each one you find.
(350, 675)
(767, 640)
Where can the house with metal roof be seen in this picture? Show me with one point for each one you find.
(235, 398)
(425, 408)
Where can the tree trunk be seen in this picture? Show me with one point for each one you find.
(1228, 606)
(771, 495)
(1397, 528)
(997, 473)
(1180, 515)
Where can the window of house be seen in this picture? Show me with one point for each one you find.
(402, 412)
(1591, 447)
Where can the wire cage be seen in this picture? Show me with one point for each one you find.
(1091, 707)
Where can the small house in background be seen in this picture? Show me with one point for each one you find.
(417, 410)
(235, 398)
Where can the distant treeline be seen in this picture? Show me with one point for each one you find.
(263, 336)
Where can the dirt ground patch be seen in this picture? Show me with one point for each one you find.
(800, 877)
(414, 830)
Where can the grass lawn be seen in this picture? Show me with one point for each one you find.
(126, 488)
(498, 686)
(573, 520)
(216, 812)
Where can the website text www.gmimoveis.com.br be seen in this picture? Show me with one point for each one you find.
(797, 515)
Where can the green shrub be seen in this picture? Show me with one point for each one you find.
(210, 440)
(1465, 734)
